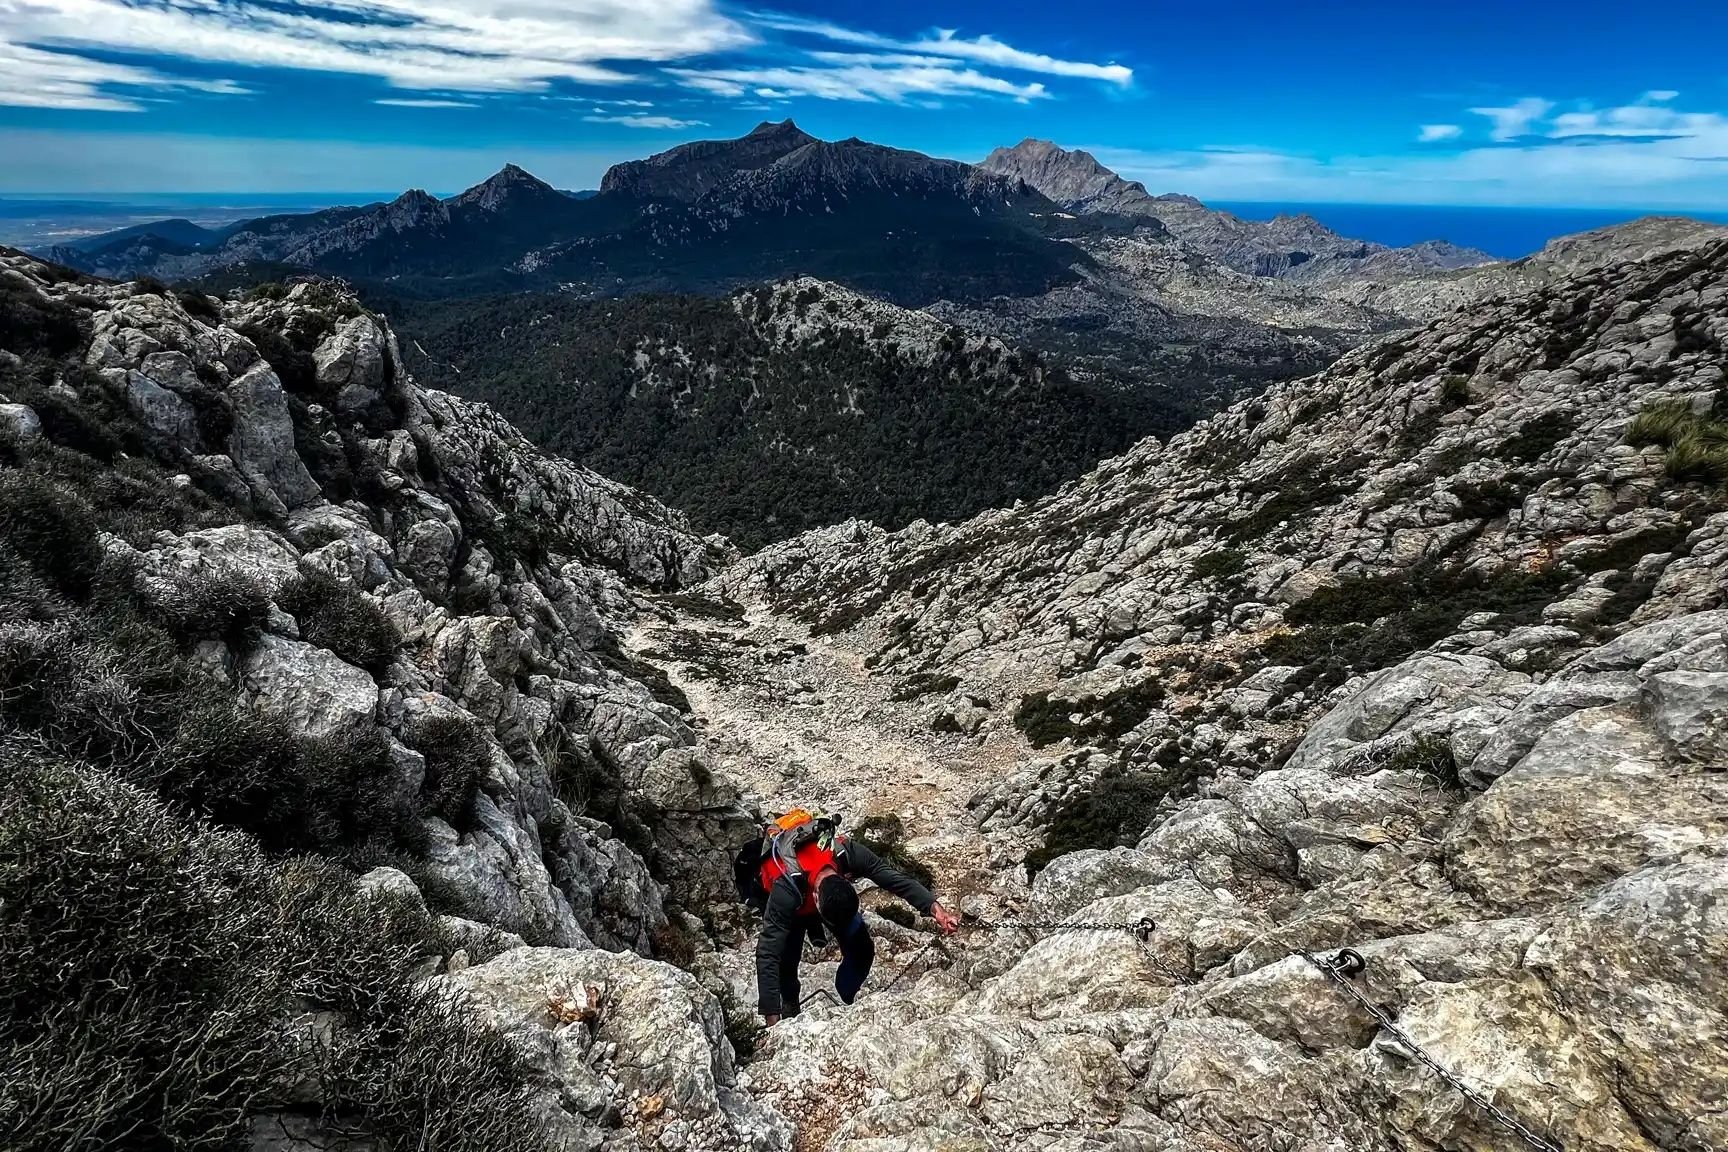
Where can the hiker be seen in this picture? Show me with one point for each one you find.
(799, 876)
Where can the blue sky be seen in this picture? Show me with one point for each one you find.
(1516, 102)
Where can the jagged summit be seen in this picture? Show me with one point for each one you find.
(689, 171)
(784, 127)
(509, 182)
(1074, 179)
(1291, 245)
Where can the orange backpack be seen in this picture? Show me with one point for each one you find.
(798, 844)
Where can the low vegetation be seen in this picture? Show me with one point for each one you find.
(686, 398)
(1116, 810)
(1696, 445)
(1047, 719)
(188, 955)
(885, 836)
(336, 615)
(1365, 623)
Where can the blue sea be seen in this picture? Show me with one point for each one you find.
(1504, 232)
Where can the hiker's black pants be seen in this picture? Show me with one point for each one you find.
(857, 954)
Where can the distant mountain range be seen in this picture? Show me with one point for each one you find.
(1039, 246)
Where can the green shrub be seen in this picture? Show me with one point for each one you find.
(335, 794)
(1046, 720)
(24, 594)
(886, 836)
(1366, 623)
(1699, 457)
(52, 527)
(1534, 438)
(227, 604)
(1221, 564)
(743, 1027)
(1662, 423)
(151, 971)
(1455, 392)
(198, 305)
(1115, 811)
(1430, 755)
(33, 323)
(456, 753)
(335, 615)
(72, 693)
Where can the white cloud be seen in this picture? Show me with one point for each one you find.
(1652, 121)
(1515, 120)
(496, 46)
(36, 78)
(637, 120)
(948, 44)
(864, 80)
(1434, 132)
(427, 103)
(461, 45)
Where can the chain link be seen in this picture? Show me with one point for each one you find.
(1339, 969)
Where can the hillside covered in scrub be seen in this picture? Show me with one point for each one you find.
(792, 406)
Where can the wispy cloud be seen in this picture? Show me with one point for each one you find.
(35, 78)
(410, 103)
(1645, 155)
(1515, 120)
(51, 51)
(948, 44)
(638, 120)
(866, 79)
(1434, 132)
(473, 46)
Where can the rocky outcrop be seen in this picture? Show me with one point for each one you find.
(497, 568)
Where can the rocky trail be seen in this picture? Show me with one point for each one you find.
(798, 720)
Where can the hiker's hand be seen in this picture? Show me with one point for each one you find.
(945, 920)
(770, 1021)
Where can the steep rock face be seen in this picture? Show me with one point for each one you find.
(497, 565)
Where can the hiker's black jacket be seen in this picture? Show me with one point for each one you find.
(855, 862)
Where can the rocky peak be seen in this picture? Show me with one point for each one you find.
(784, 129)
(689, 171)
(1073, 179)
(509, 183)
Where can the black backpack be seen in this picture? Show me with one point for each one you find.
(747, 874)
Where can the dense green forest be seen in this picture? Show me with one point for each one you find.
(689, 399)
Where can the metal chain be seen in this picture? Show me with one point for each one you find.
(1342, 966)
(1142, 928)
